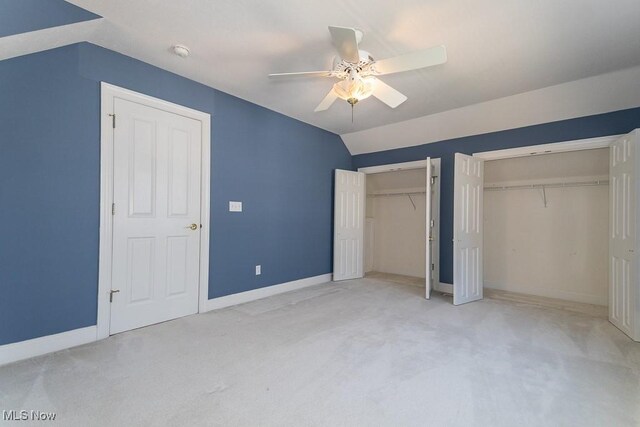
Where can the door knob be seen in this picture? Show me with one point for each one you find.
(193, 226)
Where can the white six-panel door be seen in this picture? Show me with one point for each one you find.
(467, 228)
(428, 237)
(348, 239)
(624, 303)
(156, 222)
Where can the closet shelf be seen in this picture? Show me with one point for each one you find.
(547, 185)
(404, 193)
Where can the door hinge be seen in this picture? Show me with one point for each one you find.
(432, 223)
(113, 208)
(433, 267)
(113, 120)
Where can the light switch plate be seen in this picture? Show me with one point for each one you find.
(235, 206)
(258, 270)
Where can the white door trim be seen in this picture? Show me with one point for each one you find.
(418, 164)
(108, 94)
(429, 236)
(556, 147)
(435, 216)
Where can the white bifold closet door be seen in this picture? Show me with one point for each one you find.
(624, 286)
(429, 257)
(467, 229)
(348, 239)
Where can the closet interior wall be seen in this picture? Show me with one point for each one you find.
(395, 228)
(546, 221)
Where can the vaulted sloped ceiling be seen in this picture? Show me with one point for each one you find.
(28, 26)
(23, 16)
(502, 56)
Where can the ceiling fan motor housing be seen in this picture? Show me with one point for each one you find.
(341, 68)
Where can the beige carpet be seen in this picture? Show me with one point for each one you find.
(396, 278)
(358, 353)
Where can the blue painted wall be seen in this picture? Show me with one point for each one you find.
(49, 186)
(618, 122)
(21, 16)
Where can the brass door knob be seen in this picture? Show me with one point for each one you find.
(193, 227)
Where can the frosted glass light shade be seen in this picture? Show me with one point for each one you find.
(355, 89)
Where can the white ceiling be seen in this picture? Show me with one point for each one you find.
(496, 48)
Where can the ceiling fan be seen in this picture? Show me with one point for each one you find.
(358, 70)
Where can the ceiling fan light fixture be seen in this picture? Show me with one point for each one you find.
(353, 91)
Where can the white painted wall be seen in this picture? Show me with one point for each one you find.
(560, 251)
(399, 230)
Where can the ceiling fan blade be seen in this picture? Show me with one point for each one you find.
(327, 101)
(412, 61)
(346, 41)
(387, 94)
(302, 74)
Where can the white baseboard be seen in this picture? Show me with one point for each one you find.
(552, 293)
(444, 287)
(242, 297)
(47, 344)
(541, 292)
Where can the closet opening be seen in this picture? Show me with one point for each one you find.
(546, 225)
(401, 229)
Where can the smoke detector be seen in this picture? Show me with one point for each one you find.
(181, 51)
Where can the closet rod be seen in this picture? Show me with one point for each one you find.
(411, 193)
(549, 185)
